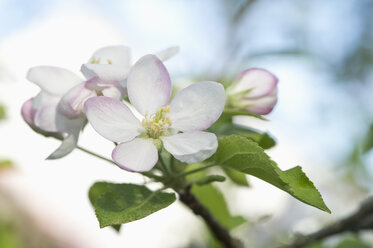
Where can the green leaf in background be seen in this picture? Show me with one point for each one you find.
(225, 128)
(368, 144)
(241, 154)
(2, 112)
(117, 204)
(236, 177)
(211, 197)
(214, 201)
(5, 164)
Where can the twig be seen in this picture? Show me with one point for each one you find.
(362, 219)
(219, 231)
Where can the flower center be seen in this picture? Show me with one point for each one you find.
(157, 123)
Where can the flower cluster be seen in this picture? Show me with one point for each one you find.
(149, 122)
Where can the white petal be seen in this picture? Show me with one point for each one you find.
(68, 145)
(136, 155)
(149, 85)
(67, 125)
(191, 147)
(112, 55)
(167, 53)
(111, 89)
(197, 107)
(261, 81)
(112, 119)
(45, 116)
(105, 72)
(72, 102)
(53, 80)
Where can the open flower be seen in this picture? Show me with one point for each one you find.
(178, 127)
(41, 112)
(254, 90)
(112, 63)
(58, 108)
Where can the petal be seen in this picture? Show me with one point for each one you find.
(28, 112)
(68, 145)
(105, 72)
(112, 55)
(53, 80)
(149, 85)
(45, 116)
(261, 81)
(68, 125)
(112, 119)
(167, 53)
(136, 155)
(111, 89)
(72, 102)
(261, 106)
(197, 106)
(191, 147)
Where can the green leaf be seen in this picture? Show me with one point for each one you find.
(2, 112)
(225, 128)
(117, 204)
(214, 201)
(237, 177)
(234, 112)
(241, 154)
(368, 144)
(6, 164)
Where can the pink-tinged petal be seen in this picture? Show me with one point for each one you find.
(260, 81)
(67, 146)
(45, 116)
(191, 147)
(149, 85)
(261, 106)
(136, 155)
(112, 55)
(111, 89)
(54, 80)
(112, 119)
(167, 53)
(72, 102)
(28, 112)
(197, 106)
(105, 72)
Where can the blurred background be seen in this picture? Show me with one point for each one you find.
(322, 52)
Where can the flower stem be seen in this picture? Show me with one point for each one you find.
(147, 174)
(217, 229)
(95, 154)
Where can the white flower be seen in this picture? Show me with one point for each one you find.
(254, 90)
(112, 63)
(41, 112)
(177, 126)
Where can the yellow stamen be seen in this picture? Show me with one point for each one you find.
(157, 123)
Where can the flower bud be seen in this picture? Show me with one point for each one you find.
(254, 90)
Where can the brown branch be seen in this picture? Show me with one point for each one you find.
(362, 219)
(218, 230)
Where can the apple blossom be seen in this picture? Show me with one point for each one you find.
(178, 127)
(112, 63)
(58, 108)
(254, 90)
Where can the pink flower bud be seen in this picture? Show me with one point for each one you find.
(253, 90)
